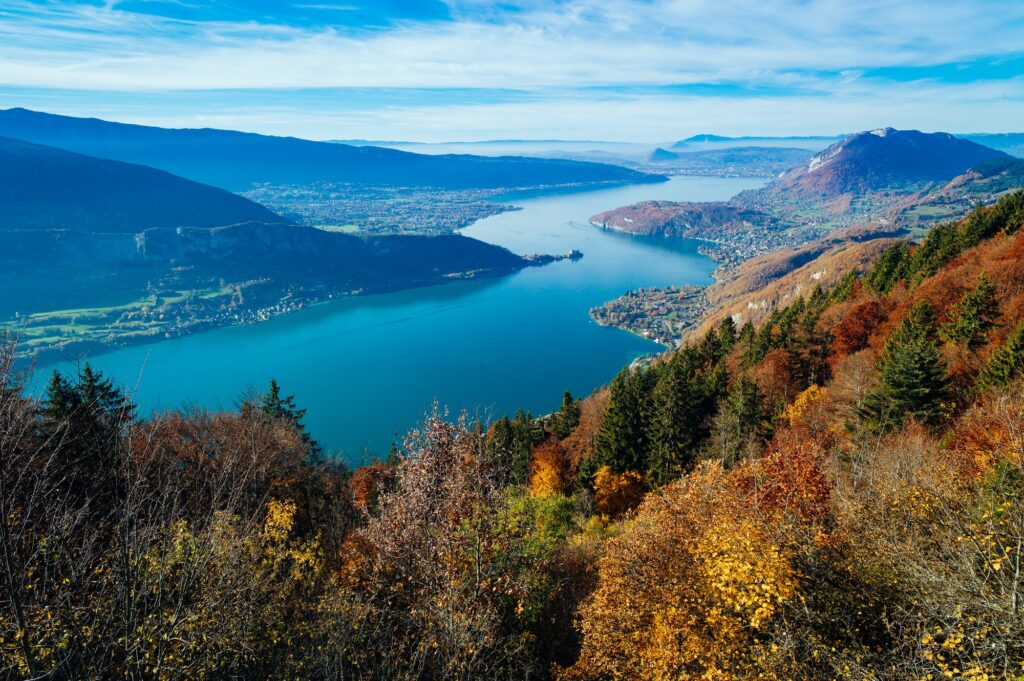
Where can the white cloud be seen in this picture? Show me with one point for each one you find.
(812, 54)
(585, 42)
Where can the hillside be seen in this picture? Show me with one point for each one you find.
(236, 161)
(884, 159)
(871, 180)
(100, 253)
(47, 188)
(835, 492)
(709, 141)
(72, 291)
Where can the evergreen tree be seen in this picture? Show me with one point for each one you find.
(274, 406)
(912, 377)
(567, 418)
(1006, 362)
(741, 422)
(680, 408)
(500, 443)
(87, 417)
(891, 266)
(727, 336)
(974, 316)
(622, 438)
(844, 287)
(526, 434)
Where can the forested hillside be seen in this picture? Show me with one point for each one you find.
(44, 188)
(835, 493)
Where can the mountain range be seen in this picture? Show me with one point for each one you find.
(96, 251)
(879, 177)
(237, 160)
(47, 188)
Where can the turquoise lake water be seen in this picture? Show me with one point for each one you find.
(367, 369)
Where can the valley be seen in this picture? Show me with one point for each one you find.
(523, 331)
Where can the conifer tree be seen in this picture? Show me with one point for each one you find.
(727, 335)
(88, 417)
(741, 421)
(526, 433)
(500, 444)
(678, 424)
(622, 438)
(568, 416)
(912, 377)
(274, 406)
(974, 316)
(890, 267)
(1006, 362)
(844, 287)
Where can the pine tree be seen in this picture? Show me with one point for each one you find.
(87, 417)
(567, 418)
(844, 287)
(526, 433)
(727, 336)
(891, 266)
(912, 377)
(622, 438)
(974, 316)
(1006, 362)
(741, 422)
(678, 424)
(500, 443)
(274, 406)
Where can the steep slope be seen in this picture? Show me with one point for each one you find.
(236, 160)
(874, 178)
(883, 159)
(47, 188)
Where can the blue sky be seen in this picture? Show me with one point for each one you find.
(432, 70)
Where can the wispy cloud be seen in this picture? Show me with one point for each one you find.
(685, 56)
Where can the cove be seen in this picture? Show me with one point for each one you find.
(369, 368)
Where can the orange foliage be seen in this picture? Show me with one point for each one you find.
(616, 493)
(580, 443)
(853, 331)
(774, 376)
(547, 469)
(794, 480)
(368, 482)
(688, 588)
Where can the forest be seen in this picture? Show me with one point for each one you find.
(835, 493)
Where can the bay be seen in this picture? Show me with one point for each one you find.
(369, 368)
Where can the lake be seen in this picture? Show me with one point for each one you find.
(369, 368)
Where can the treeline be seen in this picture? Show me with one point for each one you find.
(836, 493)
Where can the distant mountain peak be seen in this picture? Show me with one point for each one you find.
(659, 155)
(884, 158)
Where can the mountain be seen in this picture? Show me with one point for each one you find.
(47, 188)
(659, 155)
(708, 141)
(101, 252)
(1010, 142)
(237, 160)
(883, 159)
(874, 179)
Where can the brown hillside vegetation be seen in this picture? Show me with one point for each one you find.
(834, 493)
(759, 286)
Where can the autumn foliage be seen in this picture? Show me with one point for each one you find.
(836, 493)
